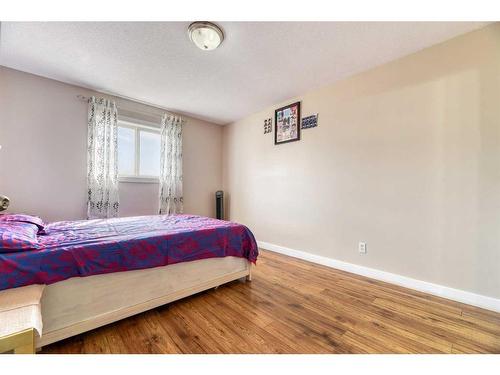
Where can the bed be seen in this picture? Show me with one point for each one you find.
(95, 272)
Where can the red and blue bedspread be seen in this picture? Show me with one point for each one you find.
(91, 247)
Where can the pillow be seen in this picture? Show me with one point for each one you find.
(24, 219)
(18, 236)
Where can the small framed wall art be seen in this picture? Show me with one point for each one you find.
(268, 126)
(287, 124)
(309, 121)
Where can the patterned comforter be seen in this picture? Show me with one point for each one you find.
(91, 247)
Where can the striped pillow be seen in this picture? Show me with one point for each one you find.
(25, 219)
(18, 236)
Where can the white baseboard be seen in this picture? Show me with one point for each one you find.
(469, 298)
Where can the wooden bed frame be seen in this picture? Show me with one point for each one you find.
(79, 304)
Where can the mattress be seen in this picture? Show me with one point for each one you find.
(91, 247)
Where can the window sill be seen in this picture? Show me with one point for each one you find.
(140, 180)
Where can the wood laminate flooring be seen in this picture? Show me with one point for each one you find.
(293, 306)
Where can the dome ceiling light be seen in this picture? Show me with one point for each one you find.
(205, 35)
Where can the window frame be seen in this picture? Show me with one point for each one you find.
(138, 128)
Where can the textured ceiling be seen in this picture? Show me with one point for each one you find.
(259, 63)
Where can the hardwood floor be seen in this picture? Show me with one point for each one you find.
(292, 306)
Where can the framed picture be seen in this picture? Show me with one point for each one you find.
(287, 124)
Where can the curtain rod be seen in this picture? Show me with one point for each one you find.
(86, 98)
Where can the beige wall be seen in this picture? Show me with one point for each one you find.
(406, 157)
(43, 133)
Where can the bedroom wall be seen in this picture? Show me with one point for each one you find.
(43, 133)
(406, 157)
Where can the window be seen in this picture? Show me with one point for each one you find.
(138, 152)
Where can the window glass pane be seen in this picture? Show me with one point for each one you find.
(126, 151)
(150, 154)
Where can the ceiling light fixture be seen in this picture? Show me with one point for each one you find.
(205, 35)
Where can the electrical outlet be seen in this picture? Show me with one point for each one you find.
(362, 247)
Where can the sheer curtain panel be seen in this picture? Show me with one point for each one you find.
(171, 200)
(102, 163)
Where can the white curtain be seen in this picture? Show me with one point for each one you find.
(102, 159)
(171, 200)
